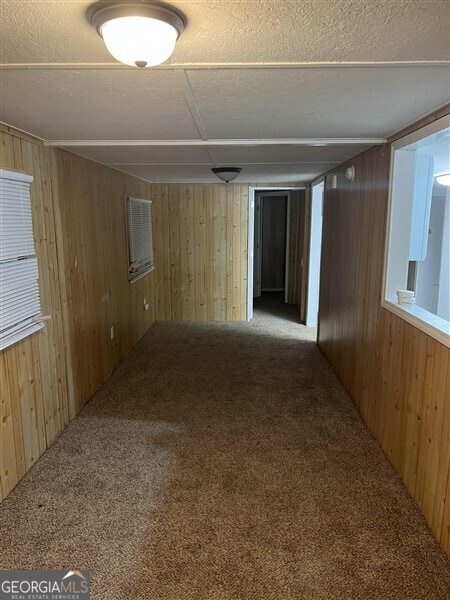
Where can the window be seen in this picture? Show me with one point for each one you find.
(20, 309)
(140, 239)
(418, 244)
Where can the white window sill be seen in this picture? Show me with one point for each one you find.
(432, 325)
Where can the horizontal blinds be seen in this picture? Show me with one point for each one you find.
(16, 226)
(20, 291)
(19, 287)
(140, 238)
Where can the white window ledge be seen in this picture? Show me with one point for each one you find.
(432, 325)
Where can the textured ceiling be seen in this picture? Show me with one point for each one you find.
(253, 31)
(332, 102)
(242, 70)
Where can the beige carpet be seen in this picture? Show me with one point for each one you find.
(224, 462)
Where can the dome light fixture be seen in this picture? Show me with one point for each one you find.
(141, 34)
(443, 179)
(226, 174)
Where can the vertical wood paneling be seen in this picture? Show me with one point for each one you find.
(8, 463)
(219, 252)
(204, 254)
(200, 253)
(158, 244)
(79, 225)
(175, 260)
(439, 517)
(34, 385)
(237, 264)
(298, 250)
(187, 252)
(397, 376)
(229, 260)
(244, 194)
(92, 206)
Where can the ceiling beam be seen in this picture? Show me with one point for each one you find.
(218, 142)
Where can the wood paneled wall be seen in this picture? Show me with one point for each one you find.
(91, 200)
(79, 225)
(398, 377)
(34, 372)
(298, 250)
(200, 236)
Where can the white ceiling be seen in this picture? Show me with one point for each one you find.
(251, 83)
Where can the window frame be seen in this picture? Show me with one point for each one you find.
(32, 323)
(431, 324)
(133, 277)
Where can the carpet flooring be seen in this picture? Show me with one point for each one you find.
(224, 461)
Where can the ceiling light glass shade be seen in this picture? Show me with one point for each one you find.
(141, 34)
(140, 41)
(443, 179)
(226, 174)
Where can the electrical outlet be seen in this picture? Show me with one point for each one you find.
(112, 332)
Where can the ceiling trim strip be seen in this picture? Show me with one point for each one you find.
(191, 101)
(215, 142)
(226, 164)
(229, 65)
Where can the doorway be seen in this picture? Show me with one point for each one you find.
(270, 243)
(315, 249)
(270, 251)
(276, 240)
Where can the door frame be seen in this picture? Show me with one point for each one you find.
(315, 238)
(251, 233)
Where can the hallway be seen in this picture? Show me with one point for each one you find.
(272, 305)
(224, 461)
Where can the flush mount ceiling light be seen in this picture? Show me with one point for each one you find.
(443, 179)
(226, 174)
(141, 34)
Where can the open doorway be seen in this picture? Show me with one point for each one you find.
(271, 251)
(276, 250)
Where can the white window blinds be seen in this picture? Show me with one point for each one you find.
(140, 238)
(19, 290)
